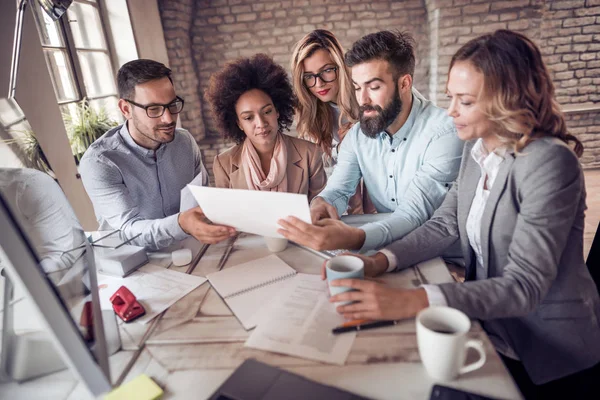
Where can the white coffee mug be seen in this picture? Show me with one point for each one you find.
(443, 344)
(276, 245)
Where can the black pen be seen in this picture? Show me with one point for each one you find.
(362, 327)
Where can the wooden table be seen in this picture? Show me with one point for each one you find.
(196, 344)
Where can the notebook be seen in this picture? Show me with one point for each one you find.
(247, 287)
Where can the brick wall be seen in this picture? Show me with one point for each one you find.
(568, 33)
(205, 34)
(202, 35)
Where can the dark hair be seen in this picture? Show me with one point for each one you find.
(395, 47)
(137, 72)
(244, 74)
(518, 90)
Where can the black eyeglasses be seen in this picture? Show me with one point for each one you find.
(157, 110)
(327, 75)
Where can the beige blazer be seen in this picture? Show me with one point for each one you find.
(305, 173)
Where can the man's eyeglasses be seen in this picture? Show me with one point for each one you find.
(157, 110)
(327, 75)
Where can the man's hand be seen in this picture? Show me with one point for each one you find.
(194, 222)
(326, 234)
(377, 301)
(320, 209)
(374, 265)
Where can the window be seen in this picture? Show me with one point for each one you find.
(14, 130)
(79, 57)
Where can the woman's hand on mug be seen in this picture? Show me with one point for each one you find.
(374, 265)
(376, 301)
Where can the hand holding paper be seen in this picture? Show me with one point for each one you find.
(250, 211)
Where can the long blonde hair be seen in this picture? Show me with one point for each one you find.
(518, 89)
(315, 118)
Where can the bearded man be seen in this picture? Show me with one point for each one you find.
(405, 148)
(135, 172)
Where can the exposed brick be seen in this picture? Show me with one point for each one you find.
(476, 9)
(503, 5)
(508, 16)
(566, 4)
(560, 40)
(241, 9)
(591, 29)
(584, 12)
(581, 21)
(567, 31)
(380, 6)
(519, 25)
(246, 17)
(340, 8)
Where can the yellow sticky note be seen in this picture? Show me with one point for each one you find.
(140, 388)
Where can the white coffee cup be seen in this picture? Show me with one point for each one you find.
(181, 257)
(443, 344)
(276, 245)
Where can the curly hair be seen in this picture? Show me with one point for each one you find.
(518, 90)
(315, 118)
(244, 74)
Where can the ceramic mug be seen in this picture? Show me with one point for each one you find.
(443, 343)
(343, 267)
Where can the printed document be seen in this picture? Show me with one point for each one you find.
(156, 288)
(299, 323)
(251, 211)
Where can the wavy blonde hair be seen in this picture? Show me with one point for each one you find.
(518, 92)
(315, 118)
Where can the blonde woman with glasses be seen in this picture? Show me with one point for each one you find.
(327, 106)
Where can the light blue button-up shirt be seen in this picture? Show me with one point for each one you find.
(407, 174)
(138, 190)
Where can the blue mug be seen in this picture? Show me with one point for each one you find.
(343, 267)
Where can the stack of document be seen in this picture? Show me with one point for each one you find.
(299, 322)
(156, 288)
(291, 311)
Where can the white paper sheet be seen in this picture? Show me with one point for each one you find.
(156, 288)
(299, 323)
(251, 211)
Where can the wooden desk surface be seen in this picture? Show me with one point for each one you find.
(197, 343)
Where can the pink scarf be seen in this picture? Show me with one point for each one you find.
(276, 181)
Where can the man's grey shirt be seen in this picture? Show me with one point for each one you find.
(138, 190)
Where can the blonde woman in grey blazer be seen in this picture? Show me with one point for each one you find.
(517, 210)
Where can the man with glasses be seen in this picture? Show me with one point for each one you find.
(135, 173)
(404, 147)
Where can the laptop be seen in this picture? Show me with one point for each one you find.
(254, 380)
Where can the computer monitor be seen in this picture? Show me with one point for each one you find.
(64, 290)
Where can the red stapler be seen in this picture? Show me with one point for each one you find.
(126, 305)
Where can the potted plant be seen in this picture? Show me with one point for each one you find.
(85, 126)
(28, 150)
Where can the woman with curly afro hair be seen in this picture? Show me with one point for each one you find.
(252, 103)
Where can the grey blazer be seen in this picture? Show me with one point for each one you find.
(534, 290)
